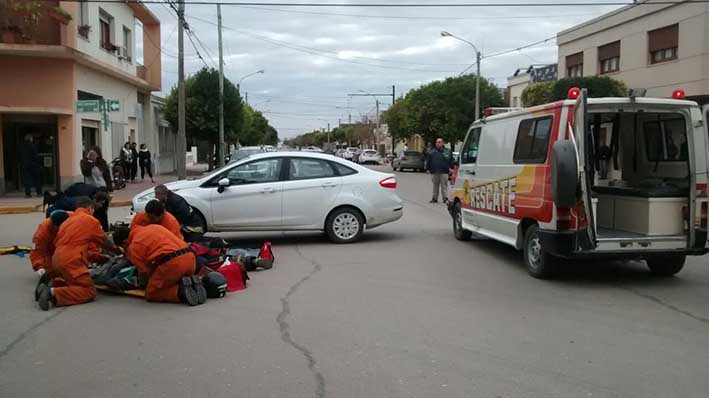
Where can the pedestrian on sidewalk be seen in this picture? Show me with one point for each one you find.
(439, 164)
(126, 160)
(146, 163)
(95, 170)
(30, 167)
(134, 161)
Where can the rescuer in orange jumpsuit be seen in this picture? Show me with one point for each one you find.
(41, 254)
(71, 258)
(166, 259)
(155, 214)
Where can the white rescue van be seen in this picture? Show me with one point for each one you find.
(607, 178)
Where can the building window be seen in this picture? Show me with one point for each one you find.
(574, 65)
(663, 44)
(106, 30)
(127, 44)
(533, 141)
(609, 57)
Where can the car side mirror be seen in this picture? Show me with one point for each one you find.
(223, 184)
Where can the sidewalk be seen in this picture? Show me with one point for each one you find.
(17, 203)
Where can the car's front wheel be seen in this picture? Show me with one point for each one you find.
(344, 225)
(458, 230)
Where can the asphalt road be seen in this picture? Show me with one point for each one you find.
(408, 312)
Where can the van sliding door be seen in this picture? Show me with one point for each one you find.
(584, 143)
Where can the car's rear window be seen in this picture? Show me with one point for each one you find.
(343, 170)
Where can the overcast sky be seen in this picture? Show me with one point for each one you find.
(312, 61)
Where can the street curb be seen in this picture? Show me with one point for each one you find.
(20, 209)
(38, 208)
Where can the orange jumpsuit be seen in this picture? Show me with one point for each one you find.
(146, 244)
(168, 221)
(71, 257)
(43, 239)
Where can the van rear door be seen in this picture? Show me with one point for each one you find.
(584, 145)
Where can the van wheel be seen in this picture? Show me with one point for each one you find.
(665, 265)
(458, 231)
(344, 225)
(539, 263)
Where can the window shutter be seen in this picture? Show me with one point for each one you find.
(574, 59)
(610, 50)
(663, 38)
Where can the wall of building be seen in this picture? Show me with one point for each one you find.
(122, 16)
(690, 71)
(96, 83)
(23, 79)
(516, 86)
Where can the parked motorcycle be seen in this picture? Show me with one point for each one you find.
(119, 180)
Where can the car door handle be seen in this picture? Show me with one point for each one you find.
(268, 190)
(329, 185)
(471, 172)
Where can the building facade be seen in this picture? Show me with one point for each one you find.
(658, 47)
(71, 79)
(523, 78)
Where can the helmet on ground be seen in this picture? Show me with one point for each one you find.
(215, 284)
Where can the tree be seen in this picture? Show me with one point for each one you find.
(202, 108)
(597, 86)
(441, 109)
(537, 94)
(255, 129)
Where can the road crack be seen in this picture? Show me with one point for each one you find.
(27, 332)
(667, 305)
(284, 326)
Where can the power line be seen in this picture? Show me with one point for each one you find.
(410, 5)
(425, 18)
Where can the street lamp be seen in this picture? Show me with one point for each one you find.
(238, 85)
(478, 56)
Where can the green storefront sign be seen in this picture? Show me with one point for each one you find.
(86, 106)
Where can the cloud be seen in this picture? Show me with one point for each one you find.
(313, 60)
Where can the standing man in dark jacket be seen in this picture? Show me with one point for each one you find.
(439, 164)
(190, 221)
(134, 161)
(30, 167)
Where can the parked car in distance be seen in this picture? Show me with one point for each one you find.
(412, 160)
(245, 151)
(312, 149)
(275, 191)
(269, 148)
(369, 156)
(350, 152)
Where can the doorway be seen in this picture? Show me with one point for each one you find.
(89, 138)
(43, 129)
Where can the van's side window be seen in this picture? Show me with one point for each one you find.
(533, 140)
(469, 154)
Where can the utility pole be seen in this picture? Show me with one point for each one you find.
(393, 140)
(246, 97)
(220, 147)
(181, 146)
(477, 85)
(377, 121)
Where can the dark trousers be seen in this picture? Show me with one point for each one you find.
(146, 168)
(133, 170)
(30, 177)
(126, 170)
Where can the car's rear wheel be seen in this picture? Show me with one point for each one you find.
(665, 265)
(539, 263)
(344, 225)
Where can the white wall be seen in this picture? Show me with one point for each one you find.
(110, 88)
(689, 72)
(122, 16)
(516, 85)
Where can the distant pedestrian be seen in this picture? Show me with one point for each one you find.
(439, 164)
(95, 169)
(30, 167)
(146, 163)
(126, 160)
(134, 161)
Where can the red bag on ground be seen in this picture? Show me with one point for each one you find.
(235, 275)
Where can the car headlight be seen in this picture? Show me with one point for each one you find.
(146, 198)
